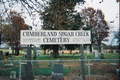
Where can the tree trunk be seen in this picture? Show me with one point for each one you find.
(17, 51)
(13, 50)
(99, 47)
(44, 51)
(70, 51)
(90, 47)
(34, 51)
(55, 51)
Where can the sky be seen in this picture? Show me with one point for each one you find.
(110, 9)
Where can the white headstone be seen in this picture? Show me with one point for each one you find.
(62, 52)
(88, 49)
(10, 50)
(86, 57)
(115, 51)
(103, 52)
(96, 53)
(13, 75)
(38, 52)
(92, 49)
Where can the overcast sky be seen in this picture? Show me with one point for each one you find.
(109, 7)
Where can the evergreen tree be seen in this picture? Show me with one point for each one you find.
(60, 15)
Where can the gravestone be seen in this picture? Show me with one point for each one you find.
(92, 49)
(23, 71)
(62, 53)
(60, 60)
(57, 73)
(10, 50)
(9, 65)
(88, 49)
(38, 52)
(48, 52)
(102, 53)
(85, 57)
(95, 52)
(102, 50)
(102, 56)
(118, 73)
(115, 51)
(51, 58)
(1, 55)
(13, 75)
(13, 56)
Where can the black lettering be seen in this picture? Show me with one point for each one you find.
(87, 34)
(24, 33)
(36, 33)
(45, 40)
(31, 33)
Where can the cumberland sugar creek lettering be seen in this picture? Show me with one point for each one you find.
(63, 36)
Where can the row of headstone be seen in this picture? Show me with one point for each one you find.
(96, 53)
(36, 53)
(7, 53)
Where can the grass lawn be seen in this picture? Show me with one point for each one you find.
(71, 66)
(66, 57)
(70, 57)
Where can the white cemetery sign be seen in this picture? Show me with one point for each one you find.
(55, 37)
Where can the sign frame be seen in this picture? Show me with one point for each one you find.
(55, 37)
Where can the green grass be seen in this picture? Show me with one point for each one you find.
(66, 57)
(6, 73)
(48, 71)
(70, 57)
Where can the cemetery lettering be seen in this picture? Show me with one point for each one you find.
(38, 34)
(55, 37)
(47, 40)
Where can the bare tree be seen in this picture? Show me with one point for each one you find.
(94, 21)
